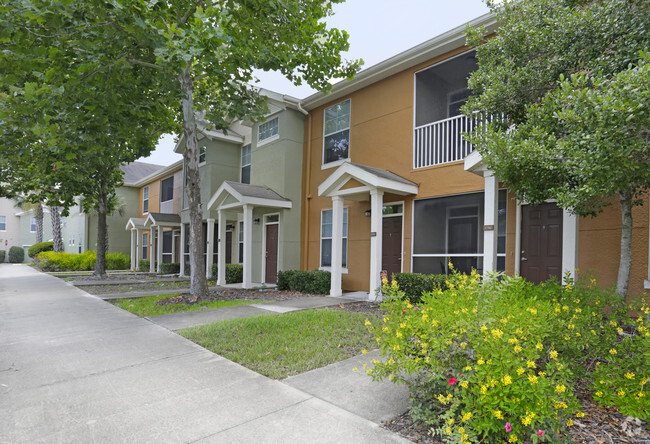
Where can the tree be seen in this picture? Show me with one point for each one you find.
(57, 239)
(559, 73)
(25, 202)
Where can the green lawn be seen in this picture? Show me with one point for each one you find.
(146, 306)
(283, 345)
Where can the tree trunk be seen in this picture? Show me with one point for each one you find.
(198, 282)
(39, 223)
(626, 244)
(55, 214)
(102, 210)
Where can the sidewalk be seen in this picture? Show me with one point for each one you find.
(76, 369)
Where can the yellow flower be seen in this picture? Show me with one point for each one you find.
(598, 394)
(553, 354)
(448, 430)
(483, 328)
(531, 364)
(517, 349)
(385, 319)
(364, 351)
(391, 361)
(621, 393)
(569, 423)
(525, 420)
(467, 416)
(532, 379)
(613, 323)
(507, 380)
(565, 308)
(539, 346)
(368, 323)
(496, 333)
(481, 362)
(434, 323)
(464, 384)
(385, 329)
(450, 421)
(396, 347)
(629, 375)
(497, 414)
(513, 438)
(468, 368)
(463, 345)
(560, 388)
(520, 371)
(484, 389)
(354, 369)
(398, 334)
(613, 351)
(461, 429)
(580, 415)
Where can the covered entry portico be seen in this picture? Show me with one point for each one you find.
(156, 222)
(232, 201)
(356, 182)
(136, 225)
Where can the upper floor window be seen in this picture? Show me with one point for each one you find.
(268, 129)
(32, 225)
(246, 164)
(167, 189)
(3, 223)
(202, 155)
(336, 132)
(145, 200)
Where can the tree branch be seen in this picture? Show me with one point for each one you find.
(141, 63)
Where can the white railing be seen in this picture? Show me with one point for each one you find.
(442, 141)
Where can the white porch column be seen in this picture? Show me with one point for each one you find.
(248, 247)
(490, 220)
(221, 258)
(152, 260)
(138, 249)
(209, 249)
(134, 249)
(182, 256)
(569, 244)
(518, 240)
(159, 250)
(173, 246)
(337, 246)
(376, 228)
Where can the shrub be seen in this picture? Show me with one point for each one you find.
(234, 273)
(414, 285)
(312, 282)
(496, 360)
(118, 261)
(2, 256)
(144, 265)
(16, 255)
(170, 268)
(37, 248)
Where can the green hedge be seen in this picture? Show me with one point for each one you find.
(37, 248)
(170, 268)
(51, 261)
(312, 282)
(144, 265)
(2, 256)
(234, 273)
(414, 284)
(16, 255)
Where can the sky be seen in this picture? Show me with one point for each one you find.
(378, 29)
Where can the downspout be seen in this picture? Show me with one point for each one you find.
(305, 235)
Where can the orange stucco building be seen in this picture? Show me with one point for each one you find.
(390, 185)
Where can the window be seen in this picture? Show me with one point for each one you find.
(246, 164)
(3, 223)
(326, 239)
(450, 229)
(241, 242)
(202, 155)
(268, 129)
(145, 200)
(167, 189)
(32, 225)
(168, 238)
(145, 245)
(336, 132)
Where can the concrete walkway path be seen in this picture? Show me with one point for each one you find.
(76, 369)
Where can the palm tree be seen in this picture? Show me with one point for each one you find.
(24, 203)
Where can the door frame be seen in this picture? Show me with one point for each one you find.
(277, 260)
(570, 238)
(403, 204)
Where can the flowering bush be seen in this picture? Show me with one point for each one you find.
(495, 360)
(51, 261)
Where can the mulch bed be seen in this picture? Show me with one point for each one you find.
(238, 294)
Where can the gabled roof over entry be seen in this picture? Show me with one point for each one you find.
(474, 163)
(163, 220)
(135, 222)
(241, 194)
(368, 178)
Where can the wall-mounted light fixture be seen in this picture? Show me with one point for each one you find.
(256, 221)
(367, 213)
(230, 227)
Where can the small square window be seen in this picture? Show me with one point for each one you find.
(268, 129)
(3, 223)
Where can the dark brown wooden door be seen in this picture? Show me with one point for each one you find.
(541, 242)
(228, 247)
(271, 273)
(391, 245)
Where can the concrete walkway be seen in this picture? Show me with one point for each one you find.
(76, 369)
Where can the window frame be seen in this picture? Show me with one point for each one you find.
(242, 165)
(261, 141)
(240, 242)
(337, 162)
(3, 221)
(344, 250)
(202, 153)
(161, 189)
(32, 223)
(145, 198)
(145, 245)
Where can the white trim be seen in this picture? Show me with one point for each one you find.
(220, 195)
(261, 142)
(320, 239)
(327, 166)
(277, 260)
(376, 241)
(332, 185)
(147, 199)
(403, 204)
(343, 270)
(268, 140)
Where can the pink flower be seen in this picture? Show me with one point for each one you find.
(452, 381)
(540, 433)
(508, 427)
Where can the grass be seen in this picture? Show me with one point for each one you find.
(146, 306)
(289, 344)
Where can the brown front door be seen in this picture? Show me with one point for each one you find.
(391, 245)
(271, 273)
(541, 242)
(228, 247)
